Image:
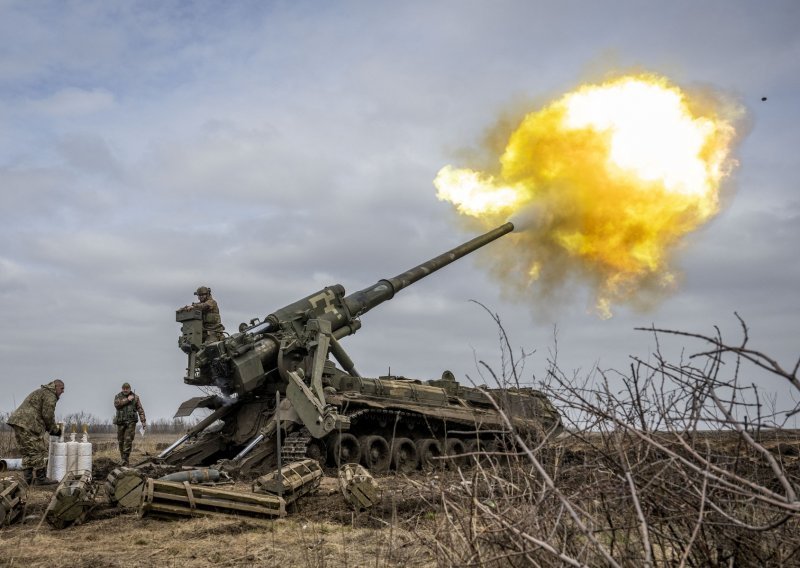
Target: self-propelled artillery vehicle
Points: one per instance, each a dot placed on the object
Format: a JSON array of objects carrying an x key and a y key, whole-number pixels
[{"x": 330, "y": 412}]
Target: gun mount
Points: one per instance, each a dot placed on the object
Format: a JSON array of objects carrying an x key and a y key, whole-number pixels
[{"x": 329, "y": 412}]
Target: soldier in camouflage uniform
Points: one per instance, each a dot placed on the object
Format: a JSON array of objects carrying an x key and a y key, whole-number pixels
[
  {"x": 129, "y": 411},
  {"x": 213, "y": 330},
  {"x": 35, "y": 417}
]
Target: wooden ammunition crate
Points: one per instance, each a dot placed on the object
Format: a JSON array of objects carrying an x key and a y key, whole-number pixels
[
  {"x": 72, "y": 501},
  {"x": 12, "y": 499},
  {"x": 172, "y": 498},
  {"x": 124, "y": 487},
  {"x": 292, "y": 482}
]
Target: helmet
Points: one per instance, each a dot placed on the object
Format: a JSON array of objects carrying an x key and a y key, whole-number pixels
[
  {"x": 126, "y": 385},
  {"x": 202, "y": 290}
]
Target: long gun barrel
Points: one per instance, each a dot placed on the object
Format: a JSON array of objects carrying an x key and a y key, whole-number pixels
[
  {"x": 364, "y": 300},
  {"x": 331, "y": 304}
]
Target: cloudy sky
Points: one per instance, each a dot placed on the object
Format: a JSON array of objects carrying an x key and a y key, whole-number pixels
[{"x": 267, "y": 149}]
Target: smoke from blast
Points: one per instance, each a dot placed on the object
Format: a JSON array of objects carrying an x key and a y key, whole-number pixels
[{"x": 602, "y": 184}]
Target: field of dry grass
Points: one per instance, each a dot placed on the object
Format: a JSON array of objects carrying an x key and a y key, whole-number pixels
[
  {"x": 120, "y": 538},
  {"x": 323, "y": 532}
]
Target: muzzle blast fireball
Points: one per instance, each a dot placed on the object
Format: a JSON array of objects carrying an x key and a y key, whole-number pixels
[{"x": 618, "y": 174}]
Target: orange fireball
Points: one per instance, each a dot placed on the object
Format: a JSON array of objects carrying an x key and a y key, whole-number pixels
[{"x": 618, "y": 173}]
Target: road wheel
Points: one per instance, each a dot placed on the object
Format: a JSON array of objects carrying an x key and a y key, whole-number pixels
[
  {"x": 375, "y": 453},
  {"x": 429, "y": 451},
  {"x": 455, "y": 452},
  {"x": 343, "y": 449},
  {"x": 404, "y": 455}
]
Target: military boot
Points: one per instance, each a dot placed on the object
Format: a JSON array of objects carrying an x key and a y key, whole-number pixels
[
  {"x": 42, "y": 479},
  {"x": 27, "y": 475}
]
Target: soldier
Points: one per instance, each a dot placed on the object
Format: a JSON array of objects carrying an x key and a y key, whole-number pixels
[
  {"x": 129, "y": 411},
  {"x": 34, "y": 417},
  {"x": 212, "y": 323}
]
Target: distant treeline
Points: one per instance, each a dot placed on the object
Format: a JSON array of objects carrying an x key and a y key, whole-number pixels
[{"x": 104, "y": 425}]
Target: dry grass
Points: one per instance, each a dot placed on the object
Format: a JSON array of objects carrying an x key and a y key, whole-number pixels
[{"x": 324, "y": 532}]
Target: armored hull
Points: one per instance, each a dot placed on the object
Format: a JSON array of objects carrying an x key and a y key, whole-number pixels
[
  {"x": 394, "y": 423},
  {"x": 444, "y": 421}
]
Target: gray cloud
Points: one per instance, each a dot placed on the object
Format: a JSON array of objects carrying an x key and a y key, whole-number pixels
[
  {"x": 268, "y": 150},
  {"x": 71, "y": 101}
]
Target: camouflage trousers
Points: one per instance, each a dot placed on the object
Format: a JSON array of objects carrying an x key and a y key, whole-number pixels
[
  {"x": 125, "y": 433},
  {"x": 32, "y": 447}
]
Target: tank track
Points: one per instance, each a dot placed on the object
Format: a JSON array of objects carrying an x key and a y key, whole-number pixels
[
  {"x": 382, "y": 422},
  {"x": 383, "y": 417},
  {"x": 387, "y": 418}
]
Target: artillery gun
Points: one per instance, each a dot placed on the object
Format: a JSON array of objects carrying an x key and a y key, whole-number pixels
[{"x": 331, "y": 413}]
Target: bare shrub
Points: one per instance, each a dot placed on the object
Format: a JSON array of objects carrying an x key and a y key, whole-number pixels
[{"x": 676, "y": 464}]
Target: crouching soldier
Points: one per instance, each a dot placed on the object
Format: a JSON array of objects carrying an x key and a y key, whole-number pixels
[
  {"x": 35, "y": 417},
  {"x": 129, "y": 411}
]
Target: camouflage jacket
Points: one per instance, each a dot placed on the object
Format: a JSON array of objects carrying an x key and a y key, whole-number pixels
[
  {"x": 211, "y": 317},
  {"x": 127, "y": 410},
  {"x": 37, "y": 412}
]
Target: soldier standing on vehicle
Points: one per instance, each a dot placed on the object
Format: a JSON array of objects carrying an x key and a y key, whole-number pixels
[
  {"x": 35, "y": 417},
  {"x": 213, "y": 330},
  {"x": 129, "y": 411}
]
